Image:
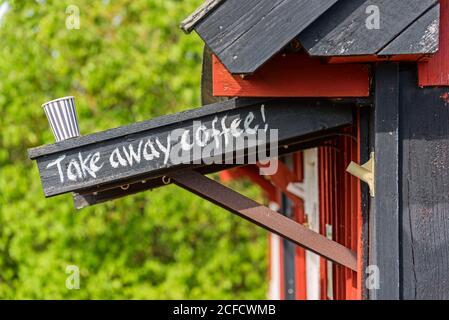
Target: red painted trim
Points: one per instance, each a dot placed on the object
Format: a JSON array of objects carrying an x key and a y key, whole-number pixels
[
  {"x": 251, "y": 172},
  {"x": 435, "y": 72},
  {"x": 282, "y": 178},
  {"x": 229, "y": 175},
  {"x": 298, "y": 162},
  {"x": 294, "y": 75}
]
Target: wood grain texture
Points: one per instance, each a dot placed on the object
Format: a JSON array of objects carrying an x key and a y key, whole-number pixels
[
  {"x": 295, "y": 120},
  {"x": 384, "y": 227},
  {"x": 342, "y": 30},
  {"x": 246, "y": 34},
  {"x": 435, "y": 71},
  {"x": 294, "y": 75},
  {"x": 421, "y": 37},
  {"x": 425, "y": 185},
  {"x": 206, "y": 8}
]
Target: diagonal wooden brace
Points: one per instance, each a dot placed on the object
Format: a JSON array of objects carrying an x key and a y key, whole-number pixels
[{"x": 264, "y": 217}]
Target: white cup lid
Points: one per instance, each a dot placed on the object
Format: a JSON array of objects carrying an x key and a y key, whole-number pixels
[{"x": 59, "y": 99}]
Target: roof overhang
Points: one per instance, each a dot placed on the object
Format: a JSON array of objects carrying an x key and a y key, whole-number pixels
[
  {"x": 244, "y": 35},
  {"x": 134, "y": 158}
]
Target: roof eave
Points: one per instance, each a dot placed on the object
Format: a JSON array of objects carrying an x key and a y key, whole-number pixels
[{"x": 189, "y": 23}]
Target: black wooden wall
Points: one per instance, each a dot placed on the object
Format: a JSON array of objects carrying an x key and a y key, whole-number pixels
[
  {"x": 424, "y": 223},
  {"x": 409, "y": 219}
]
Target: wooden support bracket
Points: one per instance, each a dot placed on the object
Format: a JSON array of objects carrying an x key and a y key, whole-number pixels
[{"x": 264, "y": 217}]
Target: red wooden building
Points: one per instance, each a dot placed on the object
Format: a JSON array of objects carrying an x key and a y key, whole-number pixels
[{"x": 358, "y": 91}]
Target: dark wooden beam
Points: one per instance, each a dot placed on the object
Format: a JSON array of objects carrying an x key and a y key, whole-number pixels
[
  {"x": 384, "y": 225},
  {"x": 342, "y": 31},
  {"x": 365, "y": 137},
  {"x": 264, "y": 217},
  {"x": 410, "y": 214},
  {"x": 425, "y": 189},
  {"x": 207, "y": 90}
]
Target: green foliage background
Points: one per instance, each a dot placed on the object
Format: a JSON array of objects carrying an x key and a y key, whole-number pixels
[{"x": 128, "y": 62}]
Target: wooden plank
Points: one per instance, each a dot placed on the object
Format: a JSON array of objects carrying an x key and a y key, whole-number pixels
[
  {"x": 294, "y": 75},
  {"x": 206, "y": 78},
  {"x": 384, "y": 229},
  {"x": 246, "y": 34},
  {"x": 425, "y": 184},
  {"x": 435, "y": 72},
  {"x": 421, "y": 37},
  {"x": 364, "y": 138},
  {"x": 264, "y": 217},
  {"x": 342, "y": 31},
  {"x": 226, "y": 25},
  {"x": 206, "y": 8},
  {"x": 148, "y": 150}
]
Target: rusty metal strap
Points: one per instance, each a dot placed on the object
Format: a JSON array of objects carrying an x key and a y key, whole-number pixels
[{"x": 264, "y": 217}]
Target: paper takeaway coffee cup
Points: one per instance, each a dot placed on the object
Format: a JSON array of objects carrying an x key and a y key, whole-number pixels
[{"x": 61, "y": 114}]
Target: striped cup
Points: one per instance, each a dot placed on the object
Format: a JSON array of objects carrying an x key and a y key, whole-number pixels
[{"x": 61, "y": 114}]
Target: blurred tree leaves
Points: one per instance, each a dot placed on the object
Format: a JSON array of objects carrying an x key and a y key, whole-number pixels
[{"x": 128, "y": 62}]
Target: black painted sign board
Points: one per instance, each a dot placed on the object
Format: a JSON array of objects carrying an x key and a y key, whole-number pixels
[{"x": 193, "y": 139}]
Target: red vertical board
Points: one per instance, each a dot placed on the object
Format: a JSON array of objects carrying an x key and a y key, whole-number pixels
[
  {"x": 340, "y": 207},
  {"x": 322, "y": 210}
]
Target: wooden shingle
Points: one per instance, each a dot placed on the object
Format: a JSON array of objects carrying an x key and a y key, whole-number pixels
[
  {"x": 343, "y": 30},
  {"x": 244, "y": 35}
]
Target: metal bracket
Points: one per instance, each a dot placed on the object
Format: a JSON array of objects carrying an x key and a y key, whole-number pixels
[
  {"x": 265, "y": 217},
  {"x": 364, "y": 172}
]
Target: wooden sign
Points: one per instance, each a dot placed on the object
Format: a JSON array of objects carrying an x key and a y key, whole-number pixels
[{"x": 154, "y": 148}]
